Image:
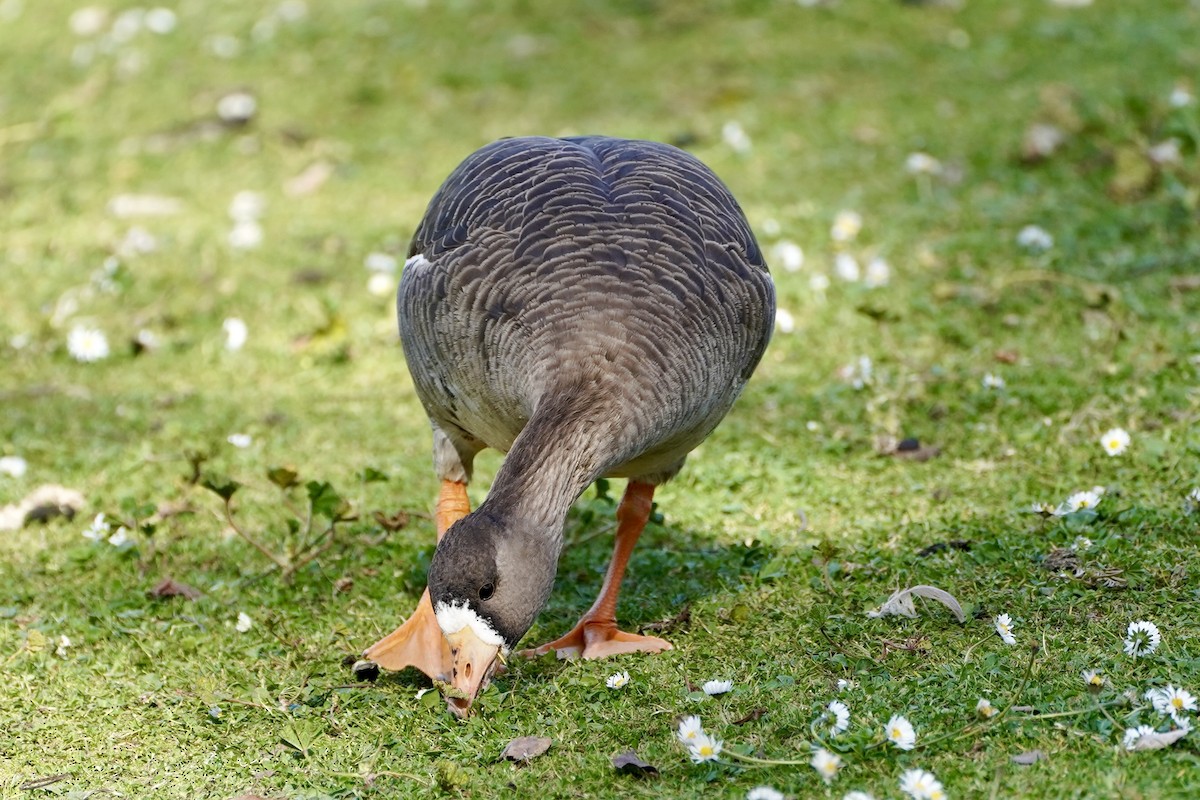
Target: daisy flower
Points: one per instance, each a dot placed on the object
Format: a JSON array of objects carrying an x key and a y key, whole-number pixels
[
  {"x": 13, "y": 466},
  {"x": 247, "y": 234},
  {"x": 241, "y": 440},
  {"x": 1094, "y": 680},
  {"x": 879, "y": 272},
  {"x": 1115, "y": 441},
  {"x": 899, "y": 731},
  {"x": 1079, "y": 501},
  {"x": 1082, "y": 543},
  {"x": 689, "y": 730},
  {"x": 818, "y": 283},
  {"x": 717, "y": 687},
  {"x": 846, "y": 226},
  {"x": 705, "y": 748},
  {"x": 1172, "y": 701},
  {"x": 1141, "y": 638},
  {"x": 921, "y": 784},
  {"x": 235, "y": 108},
  {"x": 844, "y": 684},
  {"x": 98, "y": 529},
  {"x": 1004, "y": 627},
  {"x": 991, "y": 381},
  {"x": 87, "y": 344},
  {"x": 1132, "y": 735},
  {"x": 160, "y": 20},
  {"x": 922, "y": 164},
  {"x": 235, "y": 333},
  {"x": 764, "y": 793},
  {"x": 826, "y": 764},
  {"x": 985, "y": 709},
  {"x": 784, "y": 320},
  {"x": 840, "y": 716},
  {"x": 1033, "y": 237},
  {"x": 244, "y": 623},
  {"x": 120, "y": 537},
  {"x": 736, "y": 137},
  {"x": 617, "y": 680},
  {"x": 845, "y": 266},
  {"x": 63, "y": 644},
  {"x": 1191, "y": 502},
  {"x": 380, "y": 262},
  {"x": 247, "y": 206},
  {"x": 857, "y": 795},
  {"x": 788, "y": 255}
]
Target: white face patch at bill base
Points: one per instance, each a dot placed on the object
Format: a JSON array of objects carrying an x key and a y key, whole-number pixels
[
  {"x": 453, "y": 618},
  {"x": 417, "y": 262}
]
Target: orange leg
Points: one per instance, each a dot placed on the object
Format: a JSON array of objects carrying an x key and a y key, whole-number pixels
[
  {"x": 596, "y": 635},
  {"x": 419, "y": 642}
]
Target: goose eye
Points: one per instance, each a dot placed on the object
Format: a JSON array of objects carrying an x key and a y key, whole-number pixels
[{"x": 486, "y": 591}]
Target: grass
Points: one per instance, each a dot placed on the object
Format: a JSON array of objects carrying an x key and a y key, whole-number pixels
[{"x": 786, "y": 526}]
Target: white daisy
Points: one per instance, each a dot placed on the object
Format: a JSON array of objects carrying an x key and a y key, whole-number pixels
[
  {"x": 617, "y": 680},
  {"x": 879, "y": 273},
  {"x": 382, "y": 284},
  {"x": 247, "y": 234},
  {"x": 1004, "y": 627},
  {"x": 819, "y": 282},
  {"x": 846, "y": 226},
  {"x": 826, "y": 764},
  {"x": 921, "y": 784},
  {"x": 1082, "y": 543},
  {"x": 1180, "y": 96},
  {"x": 1033, "y": 237},
  {"x": 247, "y": 206},
  {"x": 87, "y": 344},
  {"x": 240, "y": 440},
  {"x": 991, "y": 381},
  {"x": 899, "y": 731},
  {"x": 922, "y": 164},
  {"x": 1141, "y": 638},
  {"x": 120, "y": 537},
  {"x": 236, "y": 108},
  {"x": 63, "y": 644},
  {"x": 1080, "y": 501},
  {"x": 717, "y": 687},
  {"x": 98, "y": 530},
  {"x": 380, "y": 262},
  {"x": 244, "y": 623},
  {"x": 235, "y": 333},
  {"x": 1192, "y": 501},
  {"x": 1172, "y": 700},
  {"x": 704, "y": 748},
  {"x": 1115, "y": 441},
  {"x": 842, "y": 683},
  {"x": 1094, "y": 680},
  {"x": 13, "y": 466},
  {"x": 88, "y": 21},
  {"x": 784, "y": 320},
  {"x": 845, "y": 266},
  {"x": 859, "y": 373},
  {"x": 788, "y": 255},
  {"x": 857, "y": 794},
  {"x": 689, "y": 729},
  {"x": 736, "y": 137},
  {"x": 1133, "y": 734},
  {"x": 160, "y": 20},
  {"x": 840, "y": 716},
  {"x": 764, "y": 793},
  {"x": 985, "y": 709}
]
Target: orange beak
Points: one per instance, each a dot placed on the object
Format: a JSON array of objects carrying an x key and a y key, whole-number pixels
[{"x": 474, "y": 661}]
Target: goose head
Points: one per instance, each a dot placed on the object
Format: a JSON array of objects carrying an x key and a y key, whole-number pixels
[{"x": 488, "y": 581}]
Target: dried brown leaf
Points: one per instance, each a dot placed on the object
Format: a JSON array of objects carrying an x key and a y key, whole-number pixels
[
  {"x": 526, "y": 748},
  {"x": 169, "y": 587},
  {"x": 629, "y": 763},
  {"x": 1157, "y": 741}
]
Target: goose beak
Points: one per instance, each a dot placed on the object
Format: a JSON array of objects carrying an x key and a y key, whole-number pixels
[{"x": 474, "y": 661}]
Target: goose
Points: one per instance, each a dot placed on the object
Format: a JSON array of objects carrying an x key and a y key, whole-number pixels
[{"x": 592, "y": 307}]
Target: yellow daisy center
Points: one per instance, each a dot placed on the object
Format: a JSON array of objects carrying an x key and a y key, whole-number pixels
[
  {"x": 706, "y": 750},
  {"x": 1177, "y": 702}
]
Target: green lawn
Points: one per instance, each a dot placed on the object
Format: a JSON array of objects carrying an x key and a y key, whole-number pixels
[{"x": 786, "y": 526}]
